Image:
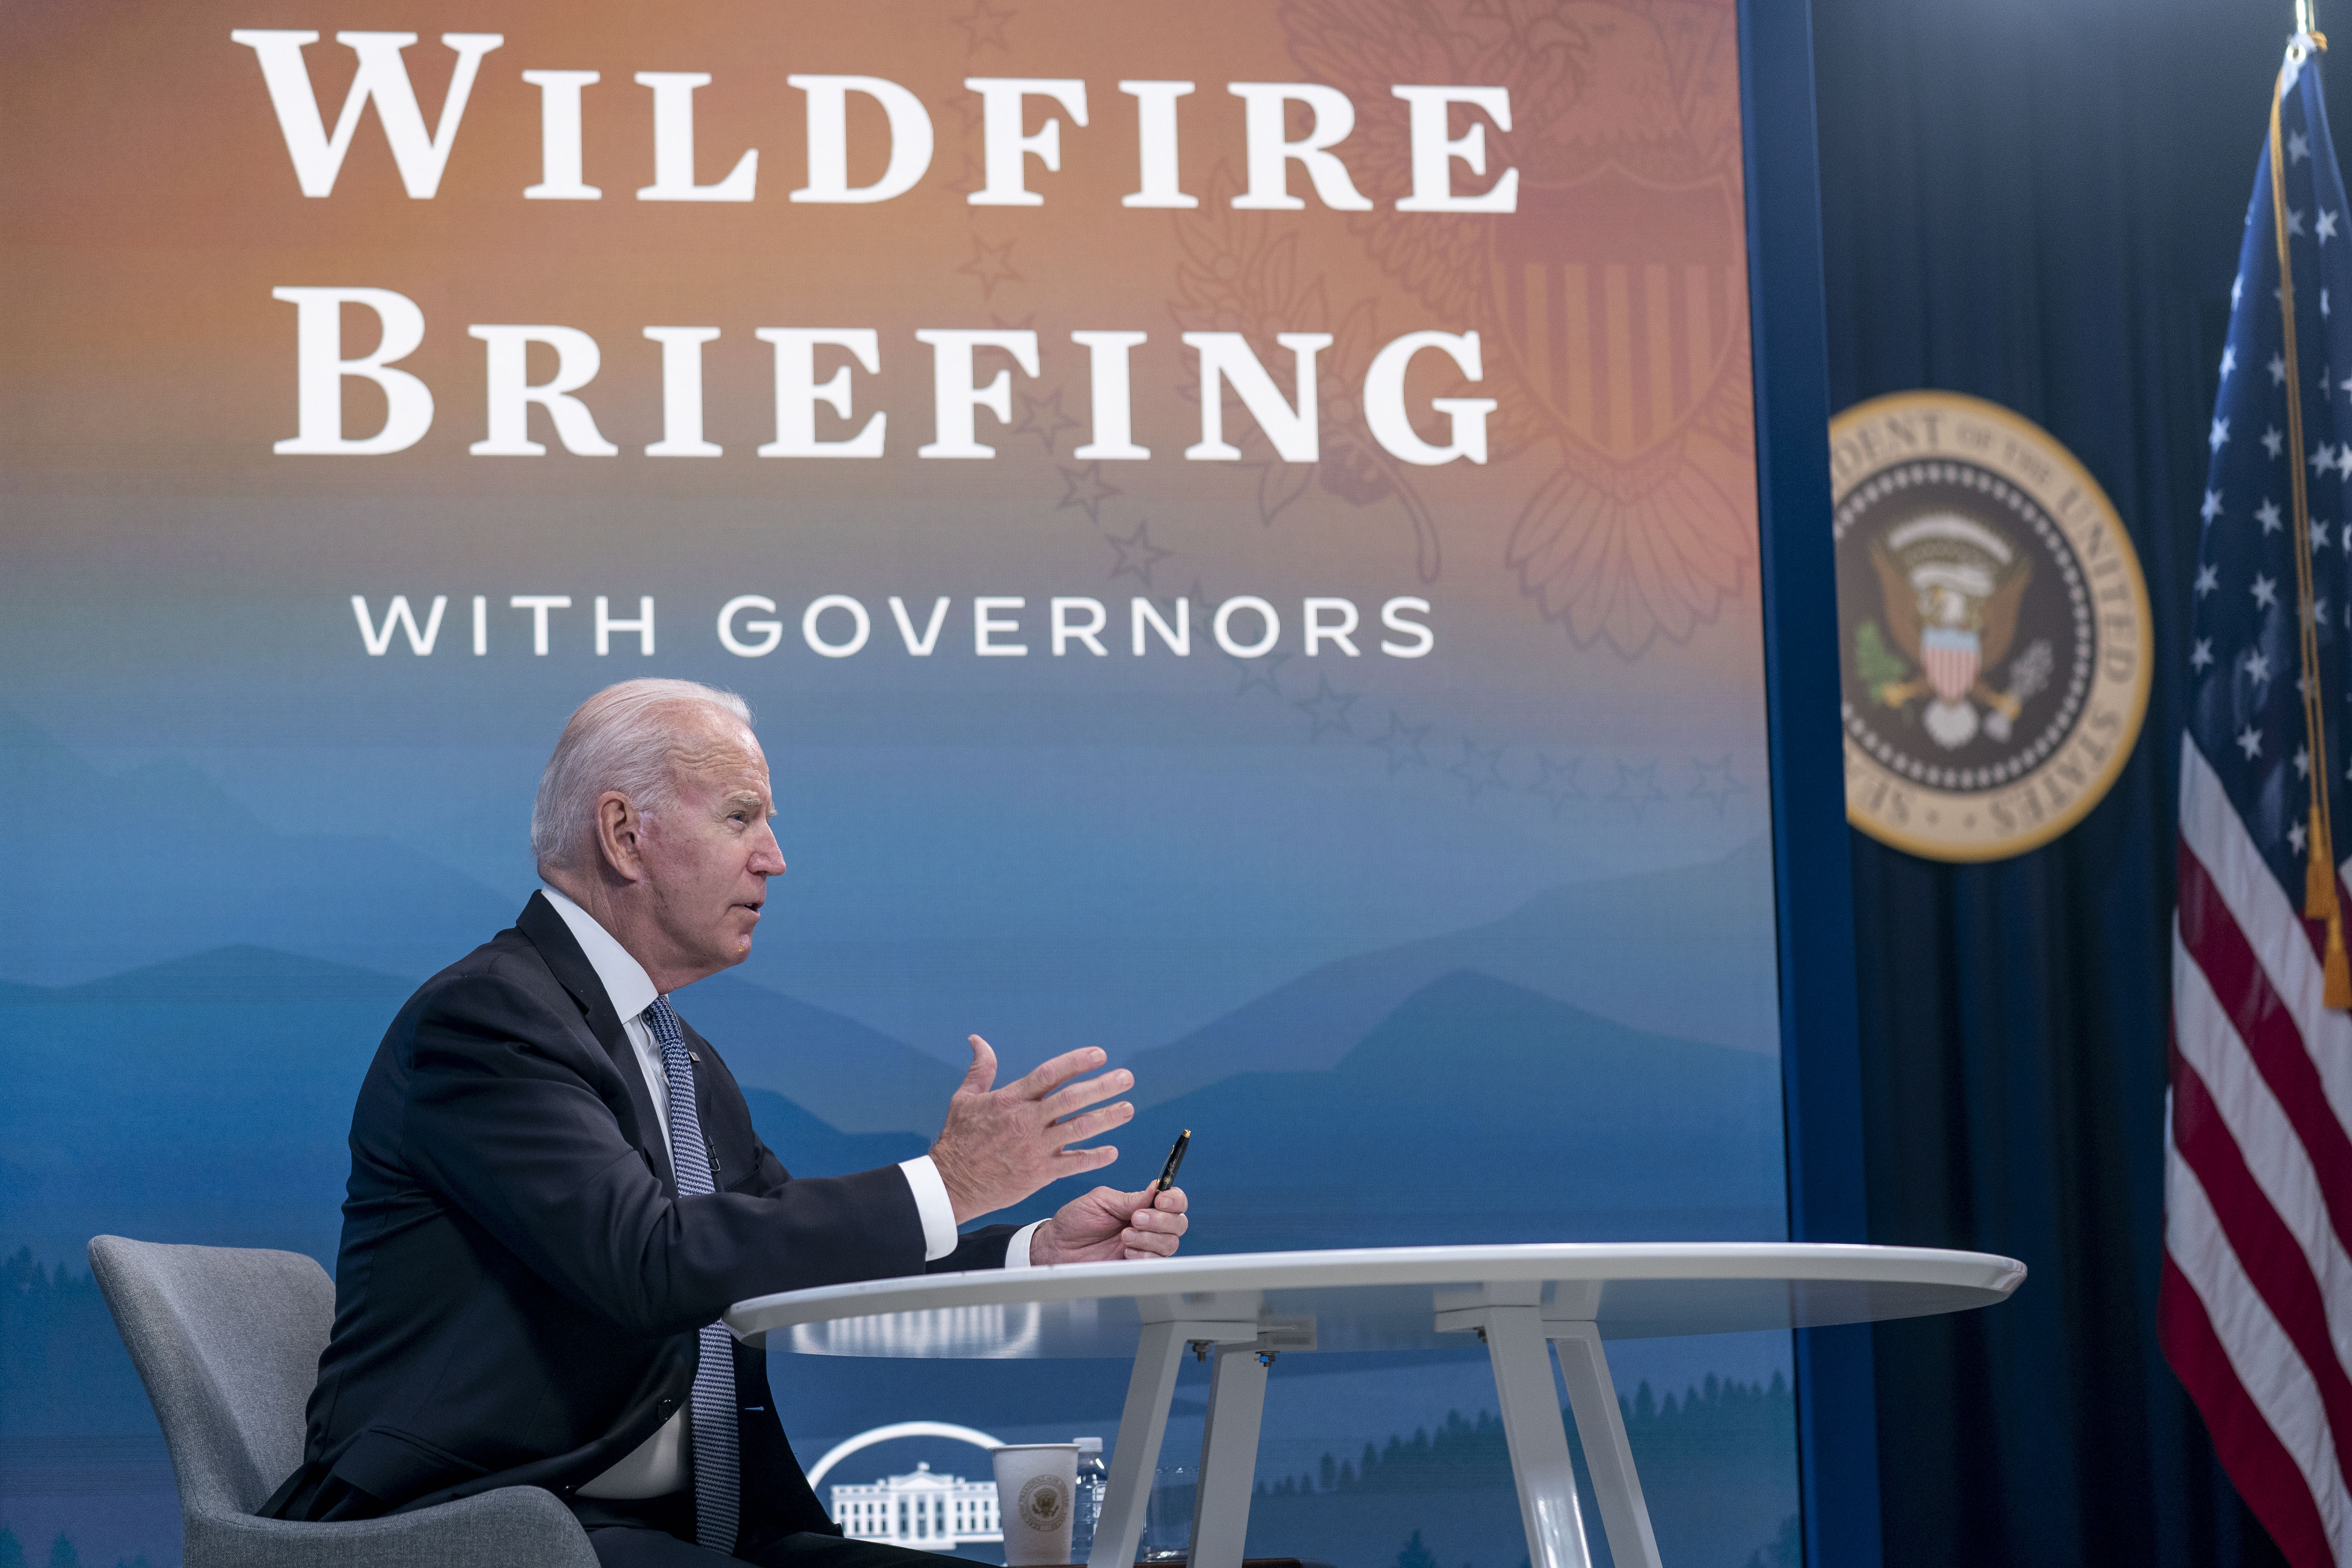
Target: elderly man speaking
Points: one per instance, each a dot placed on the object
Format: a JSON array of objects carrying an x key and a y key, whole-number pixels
[{"x": 556, "y": 1189}]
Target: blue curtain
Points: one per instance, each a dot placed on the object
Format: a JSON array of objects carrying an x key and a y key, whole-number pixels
[{"x": 2039, "y": 202}]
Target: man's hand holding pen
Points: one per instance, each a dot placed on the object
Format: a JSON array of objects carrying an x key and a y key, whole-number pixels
[{"x": 1000, "y": 1145}]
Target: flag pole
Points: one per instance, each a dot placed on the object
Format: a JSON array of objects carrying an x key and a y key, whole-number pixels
[{"x": 2320, "y": 898}]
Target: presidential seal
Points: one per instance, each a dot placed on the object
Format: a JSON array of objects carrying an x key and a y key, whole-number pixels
[
  {"x": 1992, "y": 626},
  {"x": 1044, "y": 1503}
]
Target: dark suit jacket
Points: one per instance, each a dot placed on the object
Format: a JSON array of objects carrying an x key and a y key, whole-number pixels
[{"x": 519, "y": 1285}]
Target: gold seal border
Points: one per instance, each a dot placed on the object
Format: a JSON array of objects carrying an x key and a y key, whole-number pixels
[{"x": 1844, "y": 425}]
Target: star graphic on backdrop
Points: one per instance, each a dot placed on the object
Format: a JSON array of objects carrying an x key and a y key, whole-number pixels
[
  {"x": 2296, "y": 836},
  {"x": 1481, "y": 767},
  {"x": 1716, "y": 783},
  {"x": 2250, "y": 741},
  {"x": 966, "y": 106},
  {"x": 1137, "y": 554},
  {"x": 2343, "y": 385},
  {"x": 2269, "y": 516},
  {"x": 2323, "y": 304},
  {"x": 984, "y": 26},
  {"x": 992, "y": 264},
  {"x": 2274, "y": 443},
  {"x": 1265, "y": 672},
  {"x": 1085, "y": 488},
  {"x": 2257, "y": 666},
  {"x": 2326, "y": 225},
  {"x": 2297, "y": 149},
  {"x": 2319, "y": 610},
  {"x": 1402, "y": 745},
  {"x": 2265, "y": 590},
  {"x": 2277, "y": 367},
  {"x": 1555, "y": 782},
  {"x": 1044, "y": 418},
  {"x": 2324, "y": 372},
  {"x": 2318, "y": 534},
  {"x": 2237, "y": 287},
  {"x": 2209, "y": 578},
  {"x": 2295, "y": 220},
  {"x": 2201, "y": 654},
  {"x": 971, "y": 177},
  {"x": 2322, "y": 458},
  {"x": 2344, "y": 461},
  {"x": 1328, "y": 709},
  {"x": 2219, "y": 435},
  {"x": 1638, "y": 788},
  {"x": 2301, "y": 686},
  {"x": 2229, "y": 361},
  {"x": 2302, "y": 762},
  {"x": 2212, "y": 507}
]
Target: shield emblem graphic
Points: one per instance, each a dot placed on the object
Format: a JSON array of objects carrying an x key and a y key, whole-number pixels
[
  {"x": 1951, "y": 657},
  {"x": 1621, "y": 302}
]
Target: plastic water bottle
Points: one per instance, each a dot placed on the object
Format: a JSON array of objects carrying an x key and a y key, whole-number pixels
[{"x": 1092, "y": 1480}]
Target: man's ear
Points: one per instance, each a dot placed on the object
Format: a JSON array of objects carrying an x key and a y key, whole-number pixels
[{"x": 620, "y": 835}]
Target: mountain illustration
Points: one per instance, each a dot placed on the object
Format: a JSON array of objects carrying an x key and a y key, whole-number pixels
[
  {"x": 88, "y": 899},
  {"x": 1479, "y": 1110},
  {"x": 1595, "y": 946},
  {"x": 207, "y": 1097}
]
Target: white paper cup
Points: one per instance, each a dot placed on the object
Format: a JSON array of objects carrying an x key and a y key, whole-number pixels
[{"x": 1036, "y": 1487}]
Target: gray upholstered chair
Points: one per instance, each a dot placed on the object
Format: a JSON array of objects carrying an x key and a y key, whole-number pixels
[{"x": 227, "y": 1342}]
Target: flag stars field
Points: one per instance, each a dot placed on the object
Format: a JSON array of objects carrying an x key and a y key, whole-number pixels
[
  {"x": 2209, "y": 577},
  {"x": 2221, "y": 435},
  {"x": 2273, "y": 442},
  {"x": 2265, "y": 589},
  {"x": 2250, "y": 741},
  {"x": 2201, "y": 654},
  {"x": 2269, "y": 515}
]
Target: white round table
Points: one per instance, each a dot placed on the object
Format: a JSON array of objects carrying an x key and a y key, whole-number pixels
[{"x": 1247, "y": 1307}]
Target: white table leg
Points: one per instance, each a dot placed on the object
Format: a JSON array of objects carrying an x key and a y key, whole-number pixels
[
  {"x": 1142, "y": 1426},
  {"x": 1600, "y": 1425},
  {"x": 1532, "y": 1428},
  {"x": 1228, "y": 1457}
]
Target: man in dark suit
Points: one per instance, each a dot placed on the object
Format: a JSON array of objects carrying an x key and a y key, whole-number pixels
[{"x": 556, "y": 1188}]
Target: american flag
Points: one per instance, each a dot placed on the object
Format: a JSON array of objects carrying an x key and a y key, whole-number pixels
[{"x": 2255, "y": 1311}]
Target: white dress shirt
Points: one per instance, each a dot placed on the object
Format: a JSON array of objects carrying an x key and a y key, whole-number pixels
[{"x": 658, "y": 1465}]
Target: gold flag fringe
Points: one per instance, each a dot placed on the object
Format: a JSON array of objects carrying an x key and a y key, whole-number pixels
[{"x": 2320, "y": 900}]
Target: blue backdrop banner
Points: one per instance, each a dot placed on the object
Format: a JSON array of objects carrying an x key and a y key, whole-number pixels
[{"x": 1238, "y": 526}]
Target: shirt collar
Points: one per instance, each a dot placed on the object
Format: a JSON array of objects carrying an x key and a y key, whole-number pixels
[{"x": 626, "y": 985}]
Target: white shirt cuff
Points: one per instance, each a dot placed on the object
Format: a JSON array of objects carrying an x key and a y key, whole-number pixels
[
  {"x": 931, "y": 1203},
  {"x": 1017, "y": 1250}
]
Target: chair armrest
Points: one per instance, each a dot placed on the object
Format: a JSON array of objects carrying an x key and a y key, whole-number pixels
[{"x": 514, "y": 1527}]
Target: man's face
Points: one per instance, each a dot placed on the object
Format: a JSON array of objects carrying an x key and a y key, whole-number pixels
[{"x": 709, "y": 852}]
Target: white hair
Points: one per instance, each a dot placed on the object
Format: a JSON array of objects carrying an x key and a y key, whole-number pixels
[{"x": 625, "y": 739}]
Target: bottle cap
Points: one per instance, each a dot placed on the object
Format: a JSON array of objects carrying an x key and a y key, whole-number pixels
[{"x": 1089, "y": 1444}]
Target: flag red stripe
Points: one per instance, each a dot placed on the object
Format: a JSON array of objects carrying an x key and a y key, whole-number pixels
[
  {"x": 2265, "y": 1248},
  {"x": 2265, "y": 1473},
  {"x": 2268, "y": 1028}
]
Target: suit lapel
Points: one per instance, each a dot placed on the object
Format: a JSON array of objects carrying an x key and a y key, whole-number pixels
[{"x": 556, "y": 944}]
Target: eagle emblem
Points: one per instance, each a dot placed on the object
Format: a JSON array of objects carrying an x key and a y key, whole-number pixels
[
  {"x": 1617, "y": 290},
  {"x": 1951, "y": 587}
]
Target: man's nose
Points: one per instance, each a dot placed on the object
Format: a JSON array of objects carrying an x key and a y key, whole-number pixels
[{"x": 768, "y": 856}]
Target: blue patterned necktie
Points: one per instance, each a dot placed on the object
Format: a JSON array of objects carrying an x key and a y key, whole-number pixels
[{"x": 717, "y": 1486}]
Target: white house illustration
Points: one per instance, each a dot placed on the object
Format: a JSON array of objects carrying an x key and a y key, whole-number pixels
[
  {"x": 922, "y": 1509},
  {"x": 929, "y": 1512}
]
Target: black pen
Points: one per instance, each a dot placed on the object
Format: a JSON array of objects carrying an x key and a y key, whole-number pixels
[{"x": 1175, "y": 1158}]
